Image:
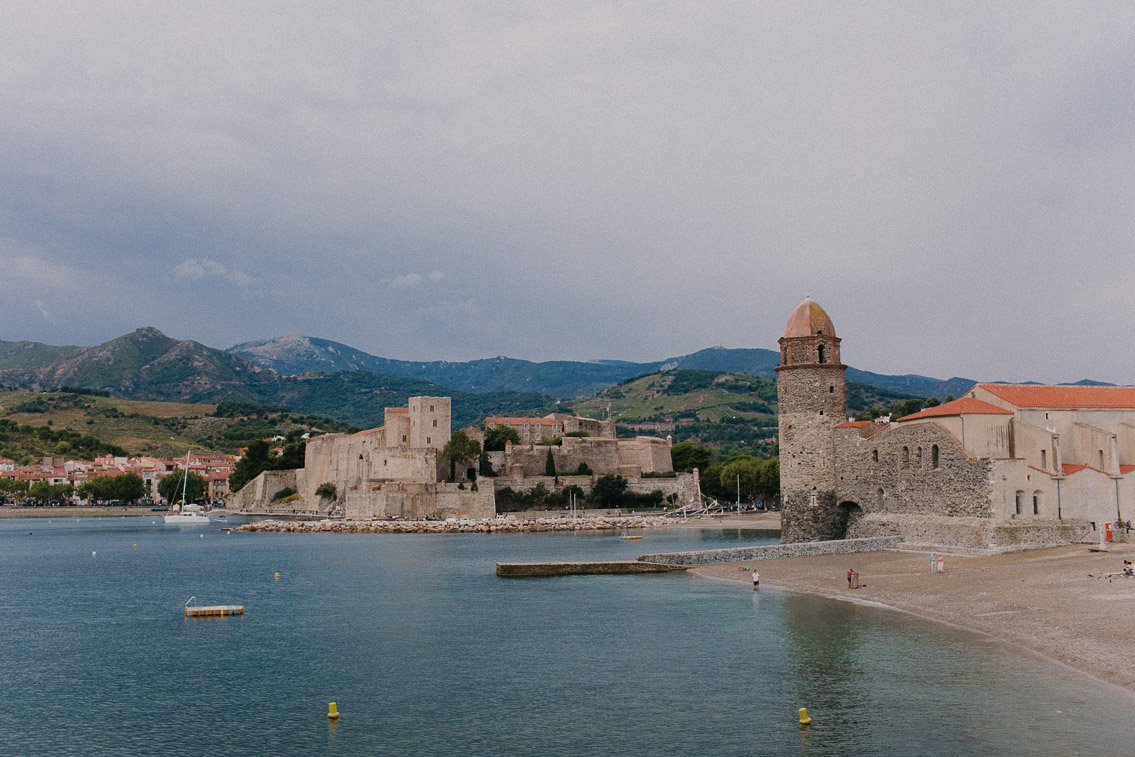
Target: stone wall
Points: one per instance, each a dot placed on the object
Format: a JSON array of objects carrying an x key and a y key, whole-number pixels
[
  {"x": 257, "y": 493},
  {"x": 894, "y": 472},
  {"x": 601, "y": 455},
  {"x": 419, "y": 501},
  {"x": 799, "y": 549}
]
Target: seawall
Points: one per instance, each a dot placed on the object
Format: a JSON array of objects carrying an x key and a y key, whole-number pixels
[{"x": 772, "y": 551}]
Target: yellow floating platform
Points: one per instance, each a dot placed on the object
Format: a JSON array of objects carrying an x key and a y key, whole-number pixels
[
  {"x": 624, "y": 537},
  {"x": 202, "y": 611}
]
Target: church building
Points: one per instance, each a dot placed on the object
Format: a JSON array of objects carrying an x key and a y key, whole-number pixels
[{"x": 1005, "y": 466}]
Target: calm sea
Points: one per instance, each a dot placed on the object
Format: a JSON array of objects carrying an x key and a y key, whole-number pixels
[{"x": 426, "y": 652}]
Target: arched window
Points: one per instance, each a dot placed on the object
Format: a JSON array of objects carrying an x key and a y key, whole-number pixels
[
  {"x": 1020, "y": 496},
  {"x": 1036, "y": 502},
  {"x": 875, "y": 455},
  {"x": 918, "y": 458},
  {"x": 820, "y": 352},
  {"x": 934, "y": 456},
  {"x": 906, "y": 457}
]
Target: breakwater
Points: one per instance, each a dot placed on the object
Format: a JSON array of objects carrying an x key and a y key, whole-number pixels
[
  {"x": 604, "y": 568},
  {"x": 459, "y": 526},
  {"x": 798, "y": 549}
]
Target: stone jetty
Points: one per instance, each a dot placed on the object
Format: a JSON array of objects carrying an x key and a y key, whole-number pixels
[{"x": 509, "y": 525}]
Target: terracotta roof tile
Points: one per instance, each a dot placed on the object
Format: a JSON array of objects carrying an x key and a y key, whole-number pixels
[
  {"x": 397, "y": 409},
  {"x": 1031, "y": 395},
  {"x": 964, "y": 406},
  {"x": 1125, "y": 469},
  {"x": 855, "y": 424},
  {"x": 1070, "y": 468}
]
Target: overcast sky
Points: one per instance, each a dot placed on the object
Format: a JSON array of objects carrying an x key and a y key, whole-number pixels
[{"x": 953, "y": 182}]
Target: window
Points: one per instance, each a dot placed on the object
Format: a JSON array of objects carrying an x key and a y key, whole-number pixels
[
  {"x": 906, "y": 457},
  {"x": 820, "y": 352},
  {"x": 1044, "y": 458},
  {"x": 431, "y": 408},
  {"x": 919, "y": 458},
  {"x": 934, "y": 456},
  {"x": 1020, "y": 496},
  {"x": 435, "y": 422},
  {"x": 403, "y": 437},
  {"x": 1036, "y": 503},
  {"x": 1101, "y": 459},
  {"x": 428, "y": 440},
  {"x": 875, "y": 455},
  {"x": 821, "y": 412},
  {"x": 831, "y": 390}
]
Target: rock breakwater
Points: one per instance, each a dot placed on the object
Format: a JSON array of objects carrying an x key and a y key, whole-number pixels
[{"x": 457, "y": 526}]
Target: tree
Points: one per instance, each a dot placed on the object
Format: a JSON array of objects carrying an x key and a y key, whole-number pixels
[
  {"x": 127, "y": 487},
  {"x": 170, "y": 487},
  {"x": 460, "y": 449},
  {"x": 686, "y": 456},
  {"x": 496, "y": 437},
  {"x": 326, "y": 490},
  {"x": 485, "y": 468},
  {"x": 251, "y": 464},
  {"x": 608, "y": 490},
  {"x": 550, "y": 464}
]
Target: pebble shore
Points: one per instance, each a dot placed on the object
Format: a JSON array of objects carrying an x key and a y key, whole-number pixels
[{"x": 458, "y": 526}]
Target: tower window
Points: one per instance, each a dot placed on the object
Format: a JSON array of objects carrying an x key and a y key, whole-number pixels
[
  {"x": 820, "y": 352},
  {"x": 428, "y": 440},
  {"x": 875, "y": 455},
  {"x": 1036, "y": 503},
  {"x": 435, "y": 422},
  {"x": 831, "y": 390},
  {"x": 1020, "y": 496},
  {"x": 919, "y": 458},
  {"x": 821, "y": 412},
  {"x": 906, "y": 457},
  {"x": 934, "y": 456}
]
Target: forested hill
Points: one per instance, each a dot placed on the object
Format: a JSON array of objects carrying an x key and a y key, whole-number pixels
[
  {"x": 148, "y": 365},
  {"x": 295, "y": 354}
]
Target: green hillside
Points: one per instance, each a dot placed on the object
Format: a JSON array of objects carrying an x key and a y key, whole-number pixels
[
  {"x": 735, "y": 412},
  {"x": 84, "y": 426}
]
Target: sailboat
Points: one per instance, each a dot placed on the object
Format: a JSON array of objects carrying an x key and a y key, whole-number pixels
[{"x": 187, "y": 514}]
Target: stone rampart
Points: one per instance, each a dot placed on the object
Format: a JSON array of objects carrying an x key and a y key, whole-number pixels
[
  {"x": 257, "y": 493},
  {"x": 773, "y": 551}
]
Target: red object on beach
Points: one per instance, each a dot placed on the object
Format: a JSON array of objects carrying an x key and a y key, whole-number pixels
[{"x": 1107, "y": 531}]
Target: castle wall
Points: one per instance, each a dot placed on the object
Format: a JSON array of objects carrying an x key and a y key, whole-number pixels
[
  {"x": 601, "y": 455},
  {"x": 419, "y": 501},
  {"x": 649, "y": 454},
  {"x": 257, "y": 493}
]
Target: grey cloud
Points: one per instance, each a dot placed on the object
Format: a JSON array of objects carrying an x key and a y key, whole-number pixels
[{"x": 631, "y": 179}]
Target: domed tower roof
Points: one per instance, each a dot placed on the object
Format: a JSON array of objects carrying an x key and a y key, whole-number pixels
[{"x": 808, "y": 319}]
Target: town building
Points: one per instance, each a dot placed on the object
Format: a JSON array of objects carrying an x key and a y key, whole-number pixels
[{"x": 1006, "y": 466}]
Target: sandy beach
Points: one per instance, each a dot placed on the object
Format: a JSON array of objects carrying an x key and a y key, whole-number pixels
[{"x": 1053, "y": 602}]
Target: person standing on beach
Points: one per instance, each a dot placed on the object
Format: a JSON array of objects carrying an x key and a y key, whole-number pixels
[
  {"x": 850, "y": 573},
  {"x": 756, "y": 581}
]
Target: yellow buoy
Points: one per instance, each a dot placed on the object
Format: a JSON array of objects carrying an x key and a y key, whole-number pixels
[
  {"x": 135, "y": 546},
  {"x": 332, "y": 711},
  {"x": 804, "y": 719},
  {"x": 277, "y": 575}
]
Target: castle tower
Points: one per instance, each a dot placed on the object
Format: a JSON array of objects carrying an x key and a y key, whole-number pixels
[
  {"x": 812, "y": 396},
  {"x": 429, "y": 421}
]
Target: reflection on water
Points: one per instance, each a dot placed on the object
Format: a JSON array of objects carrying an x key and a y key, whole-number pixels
[{"x": 426, "y": 652}]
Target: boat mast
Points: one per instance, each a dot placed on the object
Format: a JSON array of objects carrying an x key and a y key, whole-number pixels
[{"x": 185, "y": 479}]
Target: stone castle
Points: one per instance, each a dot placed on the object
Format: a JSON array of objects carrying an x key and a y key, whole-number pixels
[
  {"x": 395, "y": 471},
  {"x": 1004, "y": 467}
]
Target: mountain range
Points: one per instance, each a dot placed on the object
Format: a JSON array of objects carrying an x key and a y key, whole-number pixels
[
  {"x": 293, "y": 354},
  {"x": 319, "y": 376}
]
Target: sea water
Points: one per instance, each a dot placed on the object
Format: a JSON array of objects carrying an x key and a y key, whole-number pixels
[{"x": 426, "y": 652}]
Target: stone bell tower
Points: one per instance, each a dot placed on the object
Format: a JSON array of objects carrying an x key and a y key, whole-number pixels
[{"x": 812, "y": 400}]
